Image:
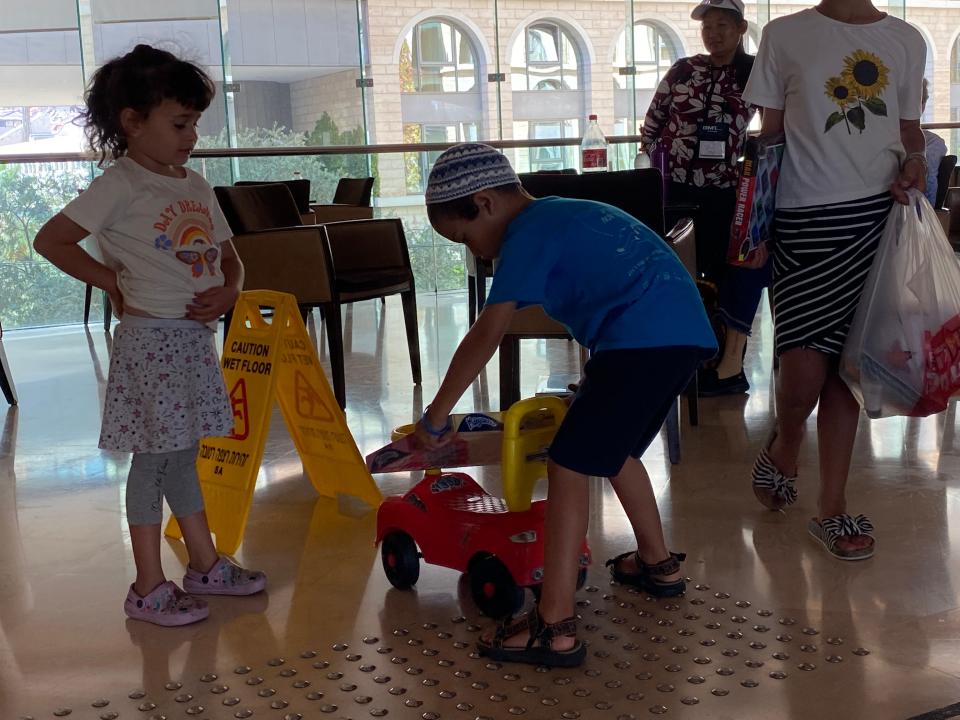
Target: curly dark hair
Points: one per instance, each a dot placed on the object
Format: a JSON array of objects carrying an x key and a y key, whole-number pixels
[{"x": 140, "y": 80}]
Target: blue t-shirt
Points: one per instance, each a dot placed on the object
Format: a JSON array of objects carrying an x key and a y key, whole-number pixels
[{"x": 611, "y": 280}]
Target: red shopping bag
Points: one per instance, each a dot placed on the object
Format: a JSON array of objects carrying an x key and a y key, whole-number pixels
[
  {"x": 902, "y": 355},
  {"x": 942, "y": 377}
]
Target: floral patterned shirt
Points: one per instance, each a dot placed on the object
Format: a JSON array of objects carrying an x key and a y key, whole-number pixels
[{"x": 678, "y": 107}]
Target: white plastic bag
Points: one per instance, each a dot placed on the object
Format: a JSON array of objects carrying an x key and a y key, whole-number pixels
[{"x": 902, "y": 355}]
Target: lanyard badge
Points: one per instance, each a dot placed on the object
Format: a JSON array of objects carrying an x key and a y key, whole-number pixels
[
  {"x": 712, "y": 140},
  {"x": 711, "y": 136}
]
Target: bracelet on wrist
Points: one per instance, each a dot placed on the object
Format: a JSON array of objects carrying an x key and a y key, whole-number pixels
[
  {"x": 922, "y": 157},
  {"x": 431, "y": 430}
]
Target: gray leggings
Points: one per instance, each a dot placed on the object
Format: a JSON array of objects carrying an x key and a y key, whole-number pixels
[{"x": 154, "y": 476}]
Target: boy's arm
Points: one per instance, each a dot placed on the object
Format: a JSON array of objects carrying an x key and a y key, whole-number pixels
[
  {"x": 59, "y": 242},
  {"x": 472, "y": 355}
]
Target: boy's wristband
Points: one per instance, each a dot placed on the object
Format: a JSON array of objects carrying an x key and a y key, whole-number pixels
[{"x": 435, "y": 432}]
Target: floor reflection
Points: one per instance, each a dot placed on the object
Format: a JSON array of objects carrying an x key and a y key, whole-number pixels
[{"x": 330, "y": 620}]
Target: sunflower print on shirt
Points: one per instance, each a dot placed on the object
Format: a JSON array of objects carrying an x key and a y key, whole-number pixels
[{"x": 858, "y": 89}]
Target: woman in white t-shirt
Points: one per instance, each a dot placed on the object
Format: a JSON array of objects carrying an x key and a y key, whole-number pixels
[{"x": 843, "y": 82}]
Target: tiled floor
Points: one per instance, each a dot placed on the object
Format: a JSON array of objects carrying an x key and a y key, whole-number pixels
[{"x": 760, "y": 588}]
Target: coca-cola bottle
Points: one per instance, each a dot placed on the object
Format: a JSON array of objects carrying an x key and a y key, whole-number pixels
[{"x": 593, "y": 149}]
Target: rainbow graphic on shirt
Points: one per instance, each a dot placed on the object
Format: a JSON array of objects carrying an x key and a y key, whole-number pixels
[{"x": 188, "y": 236}]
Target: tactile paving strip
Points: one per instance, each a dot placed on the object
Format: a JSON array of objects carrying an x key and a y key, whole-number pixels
[{"x": 645, "y": 657}]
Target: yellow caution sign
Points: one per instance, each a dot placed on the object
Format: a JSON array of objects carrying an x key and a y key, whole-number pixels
[{"x": 263, "y": 361}]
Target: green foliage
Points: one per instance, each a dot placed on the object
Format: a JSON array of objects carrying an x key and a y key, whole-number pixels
[
  {"x": 325, "y": 133},
  {"x": 323, "y": 171},
  {"x": 35, "y": 293},
  {"x": 29, "y": 196},
  {"x": 411, "y": 161},
  {"x": 32, "y": 291},
  {"x": 437, "y": 263}
]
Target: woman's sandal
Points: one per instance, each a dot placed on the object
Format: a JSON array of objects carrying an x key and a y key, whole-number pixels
[
  {"x": 829, "y": 531},
  {"x": 772, "y": 488},
  {"x": 645, "y": 576},
  {"x": 538, "y": 650}
]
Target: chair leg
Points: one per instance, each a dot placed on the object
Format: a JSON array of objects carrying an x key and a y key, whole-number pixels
[
  {"x": 673, "y": 432},
  {"x": 509, "y": 371},
  {"x": 693, "y": 400},
  {"x": 6, "y": 380},
  {"x": 471, "y": 299},
  {"x": 335, "y": 343},
  {"x": 87, "y": 296},
  {"x": 107, "y": 312},
  {"x": 409, "y": 299}
]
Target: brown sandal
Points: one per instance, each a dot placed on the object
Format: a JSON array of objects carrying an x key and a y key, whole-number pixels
[
  {"x": 538, "y": 650},
  {"x": 646, "y": 574}
]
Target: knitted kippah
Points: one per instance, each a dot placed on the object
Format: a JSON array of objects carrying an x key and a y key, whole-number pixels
[{"x": 465, "y": 169}]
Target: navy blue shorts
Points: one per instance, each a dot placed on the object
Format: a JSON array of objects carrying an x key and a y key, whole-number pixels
[{"x": 623, "y": 400}]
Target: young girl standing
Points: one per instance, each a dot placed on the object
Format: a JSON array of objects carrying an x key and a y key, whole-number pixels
[{"x": 170, "y": 271}]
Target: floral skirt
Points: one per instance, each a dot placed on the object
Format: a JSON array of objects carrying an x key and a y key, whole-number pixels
[{"x": 166, "y": 390}]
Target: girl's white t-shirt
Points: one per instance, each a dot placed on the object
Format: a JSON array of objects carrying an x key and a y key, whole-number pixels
[
  {"x": 161, "y": 234},
  {"x": 844, "y": 89}
]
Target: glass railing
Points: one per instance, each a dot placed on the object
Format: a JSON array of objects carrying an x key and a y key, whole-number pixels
[{"x": 33, "y": 188}]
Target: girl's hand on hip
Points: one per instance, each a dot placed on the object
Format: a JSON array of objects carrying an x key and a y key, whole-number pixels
[{"x": 210, "y": 304}]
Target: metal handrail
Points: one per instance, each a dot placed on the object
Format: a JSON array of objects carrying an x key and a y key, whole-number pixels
[
  {"x": 317, "y": 150},
  {"x": 311, "y": 150}
]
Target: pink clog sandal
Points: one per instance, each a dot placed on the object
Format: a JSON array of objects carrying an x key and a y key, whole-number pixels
[
  {"x": 224, "y": 578},
  {"x": 165, "y": 605}
]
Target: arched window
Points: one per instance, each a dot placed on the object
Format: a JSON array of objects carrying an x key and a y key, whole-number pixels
[
  {"x": 655, "y": 49},
  {"x": 547, "y": 71},
  {"x": 545, "y": 57},
  {"x": 438, "y": 57}
]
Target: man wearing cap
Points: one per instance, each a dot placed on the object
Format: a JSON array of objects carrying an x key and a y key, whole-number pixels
[{"x": 622, "y": 293}]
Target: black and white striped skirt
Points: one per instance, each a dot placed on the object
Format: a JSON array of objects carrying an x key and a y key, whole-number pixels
[{"x": 822, "y": 256}]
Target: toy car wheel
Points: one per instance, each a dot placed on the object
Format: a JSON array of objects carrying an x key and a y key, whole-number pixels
[
  {"x": 401, "y": 561},
  {"x": 493, "y": 588}
]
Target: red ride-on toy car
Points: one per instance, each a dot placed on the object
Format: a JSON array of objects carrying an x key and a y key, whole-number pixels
[{"x": 449, "y": 520}]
